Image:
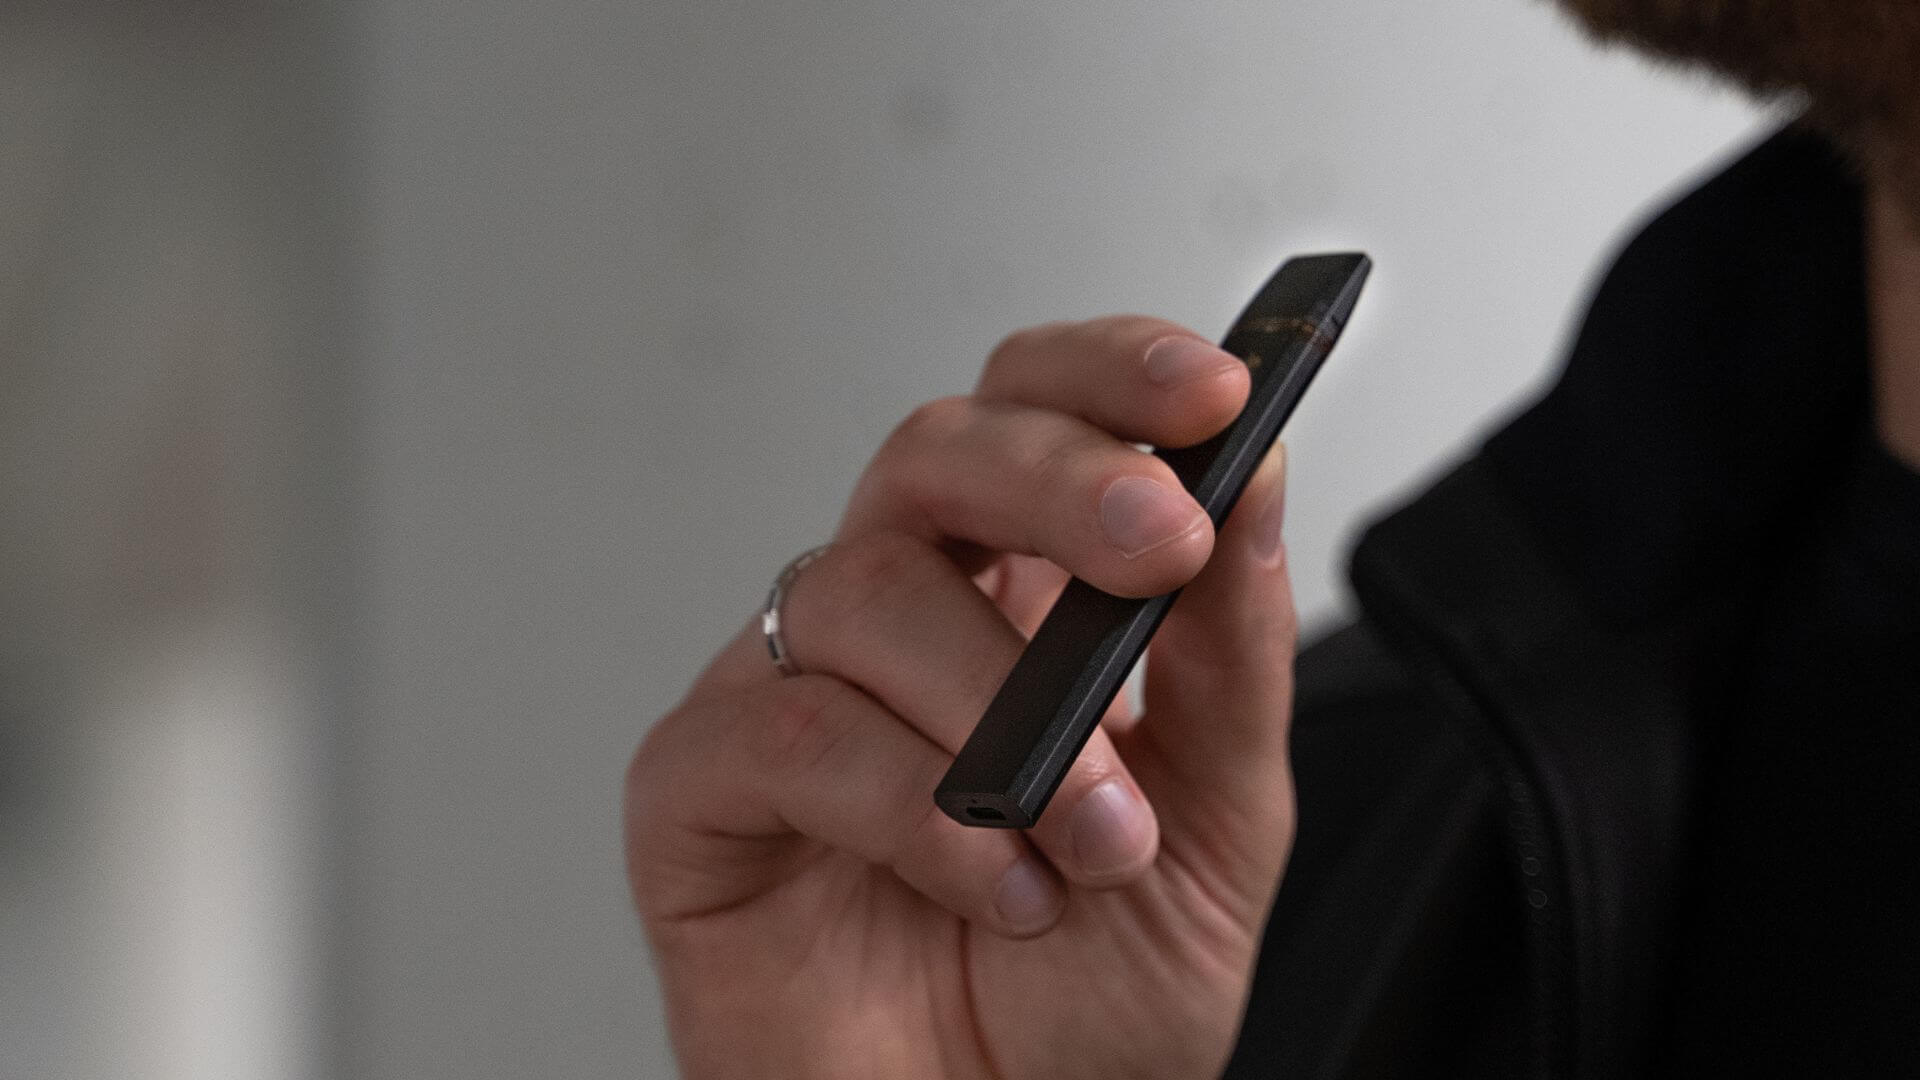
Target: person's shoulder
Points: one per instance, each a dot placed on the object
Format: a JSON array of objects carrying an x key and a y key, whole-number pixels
[
  {"x": 1366, "y": 735},
  {"x": 1393, "y": 947},
  {"x": 1349, "y": 671}
]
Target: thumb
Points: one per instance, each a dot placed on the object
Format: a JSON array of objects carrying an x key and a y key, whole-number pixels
[{"x": 1211, "y": 750}]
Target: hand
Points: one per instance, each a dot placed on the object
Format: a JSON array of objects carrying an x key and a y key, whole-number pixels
[{"x": 812, "y": 913}]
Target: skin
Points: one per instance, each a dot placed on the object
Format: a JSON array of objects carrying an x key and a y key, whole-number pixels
[{"x": 812, "y": 914}]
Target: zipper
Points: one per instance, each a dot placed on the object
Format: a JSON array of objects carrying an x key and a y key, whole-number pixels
[{"x": 1542, "y": 897}]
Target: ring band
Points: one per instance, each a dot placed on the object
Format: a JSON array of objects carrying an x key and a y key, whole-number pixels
[{"x": 770, "y": 617}]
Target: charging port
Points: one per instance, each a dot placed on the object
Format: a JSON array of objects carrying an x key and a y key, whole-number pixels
[{"x": 985, "y": 813}]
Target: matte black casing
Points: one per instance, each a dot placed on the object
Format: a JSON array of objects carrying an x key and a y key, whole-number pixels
[{"x": 1078, "y": 659}]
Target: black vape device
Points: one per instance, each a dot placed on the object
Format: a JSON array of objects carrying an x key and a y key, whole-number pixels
[{"x": 1080, "y": 656}]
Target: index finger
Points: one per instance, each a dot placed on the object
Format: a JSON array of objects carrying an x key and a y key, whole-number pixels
[{"x": 1143, "y": 379}]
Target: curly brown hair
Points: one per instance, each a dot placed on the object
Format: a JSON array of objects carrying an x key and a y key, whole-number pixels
[{"x": 1857, "y": 62}]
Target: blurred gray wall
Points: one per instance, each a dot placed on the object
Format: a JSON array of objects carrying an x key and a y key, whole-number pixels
[
  {"x": 174, "y": 406},
  {"x": 638, "y": 287}
]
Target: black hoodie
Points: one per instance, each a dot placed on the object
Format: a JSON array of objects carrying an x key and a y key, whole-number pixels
[{"x": 1618, "y": 774}]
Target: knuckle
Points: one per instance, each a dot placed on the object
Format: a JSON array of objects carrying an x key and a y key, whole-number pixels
[
  {"x": 930, "y": 423},
  {"x": 1254, "y": 642},
  {"x": 894, "y": 475},
  {"x": 662, "y": 761},
  {"x": 920, "y": 833},
  {"x": 639, "y": 808},
  {"x": 1281, "y": 625},
  {"x": 931, "y": 429},
  {"x": 1131, "y": 335},
  {"x": 857, "y": 576},
  {"x": 1018, "y": 348},
  {"x": 1259, "y": 641},
  {"x": 875, "y": 558},
  {"x": 798, "y": 722},
  {"x": 653, "y": 758},
  {"x": 1058, "y": 471}
]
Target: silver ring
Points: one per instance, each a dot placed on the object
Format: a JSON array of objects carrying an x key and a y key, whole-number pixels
[{"x": 770, "y": 617}]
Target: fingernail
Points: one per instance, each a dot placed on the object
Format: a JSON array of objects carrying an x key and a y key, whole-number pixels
[
  {"x": 1139, "y": 515},
  {"x": 1027, "y": 899},
  {"x": 1112, "y": 829},
  {"x": 1268, "y": 546},
  {"x": 1177, "y": 359}
]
